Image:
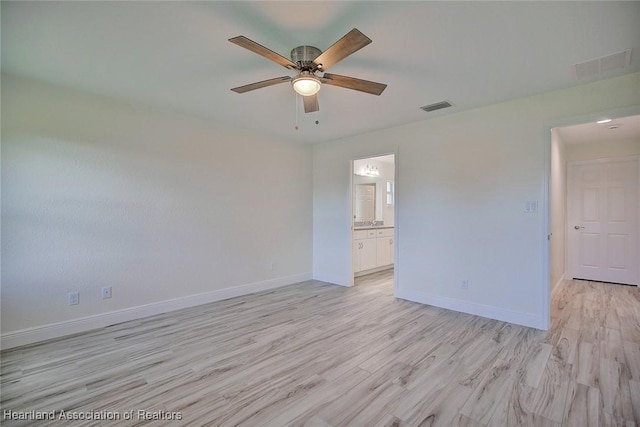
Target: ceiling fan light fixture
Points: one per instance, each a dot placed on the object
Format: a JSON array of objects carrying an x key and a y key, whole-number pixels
[{"x": 306, "y": 84}]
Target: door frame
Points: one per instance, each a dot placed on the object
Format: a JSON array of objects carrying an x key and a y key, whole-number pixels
[
  {"x": 571, "y": 187},
  {"x": 396, "y": 218},
  {"x": 547, "y": 135}
]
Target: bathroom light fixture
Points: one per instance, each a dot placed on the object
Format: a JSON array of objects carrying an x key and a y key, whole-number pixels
[
  {"x": 603, "y": 121},
  {"x": 306, "y": 84},
  {"x": 369, "y": 171},
  {"x": 372, "y": 171}
]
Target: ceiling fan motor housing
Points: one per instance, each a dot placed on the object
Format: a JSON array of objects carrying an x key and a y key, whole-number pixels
[{"x": 303, "y": 56}]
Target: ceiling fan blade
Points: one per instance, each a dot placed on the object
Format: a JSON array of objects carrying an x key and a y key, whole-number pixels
[
  {"x": 259, "y": 85},
  {"x": 352, "y": 83},
  {"x": 261, "y": 50},
  {"x": 353, "y": 41},
  {"x": 311, "y": 103}
]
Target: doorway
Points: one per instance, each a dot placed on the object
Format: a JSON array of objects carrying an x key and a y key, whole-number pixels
[
  {"x": 595, "y": 201},
  {"x": 373, "y": 213}
]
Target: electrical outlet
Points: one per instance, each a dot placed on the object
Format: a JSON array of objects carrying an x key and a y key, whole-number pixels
[
  {"x": 464, "y": 284},
  {"x": 106, "y": 292},
  {"x": 73, "y": 298}
]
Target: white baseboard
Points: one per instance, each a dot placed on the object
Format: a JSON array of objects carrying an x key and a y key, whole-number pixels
[
  {"x": 491, "y": 312},
  {"x": 74, "y": 326}
]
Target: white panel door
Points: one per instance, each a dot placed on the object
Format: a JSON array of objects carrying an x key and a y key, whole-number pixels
[
  {"x": 602, "y": 221},
  {"x": 365, "y": 209}
]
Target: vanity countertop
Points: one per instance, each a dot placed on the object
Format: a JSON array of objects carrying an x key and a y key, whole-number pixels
[{"x": 368, "y": 227}]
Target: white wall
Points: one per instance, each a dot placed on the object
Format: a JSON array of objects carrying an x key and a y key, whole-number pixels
[
  {"x": 463, "y": 181},
  {"x": 160, "y": 206},
  {"x": 558, "y": 209},
  {"x": 604, "y": 149}
]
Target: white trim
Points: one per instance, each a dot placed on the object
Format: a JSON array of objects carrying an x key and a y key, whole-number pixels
[
  {"x": 74, "y": 326},
  {"x": 352, "y": 274},
  {"x": 396, "y": 220},
  {"x": 352, "y": 277},
  {"x": 546, "y": 294},
  {"x": 601, "y": 160},
  {"x": 557, "y": 285},
  {"x": 488, "y": 311},
  {"x": 544, "y": 322}
]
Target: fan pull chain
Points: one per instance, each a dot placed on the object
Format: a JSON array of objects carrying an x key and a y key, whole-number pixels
[{"x": 296, "y": 105}]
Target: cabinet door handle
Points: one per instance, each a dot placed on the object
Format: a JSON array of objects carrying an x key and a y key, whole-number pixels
[{"x": 391, "y": 241}]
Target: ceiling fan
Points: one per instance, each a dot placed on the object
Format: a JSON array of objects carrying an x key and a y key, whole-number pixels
[{"x": 308, "y": 62}]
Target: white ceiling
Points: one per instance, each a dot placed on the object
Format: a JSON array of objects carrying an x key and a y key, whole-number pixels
[
  {"x": 618, "y": 129},
  {"x": 175, "y": 55},
  {"x": 378, "y": 160}
]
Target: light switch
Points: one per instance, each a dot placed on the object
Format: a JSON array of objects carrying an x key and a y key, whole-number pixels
[{"x": 531, "y": 206}]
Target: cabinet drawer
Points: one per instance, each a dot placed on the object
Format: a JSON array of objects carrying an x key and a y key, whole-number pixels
[
  {"x": 371, "y": 233},
  {"x": 360, "y": 234},
  {"x": 385, "y": 232}
]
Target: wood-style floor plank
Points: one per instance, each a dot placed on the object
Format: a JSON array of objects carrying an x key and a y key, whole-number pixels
[{"x": 318, "y": 355}]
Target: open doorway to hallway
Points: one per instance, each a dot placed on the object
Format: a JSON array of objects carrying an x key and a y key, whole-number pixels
[
  {"x": 373, "y": 215},
  {"x": 595, "y": 196}
]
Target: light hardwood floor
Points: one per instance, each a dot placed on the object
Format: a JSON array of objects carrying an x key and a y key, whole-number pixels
[{"x": 314, "y": 354}]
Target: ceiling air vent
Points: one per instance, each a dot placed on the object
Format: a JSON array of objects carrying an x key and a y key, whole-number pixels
[
  {"x": 603, "y": 64},
  {"x": 437, "y": 106}
]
